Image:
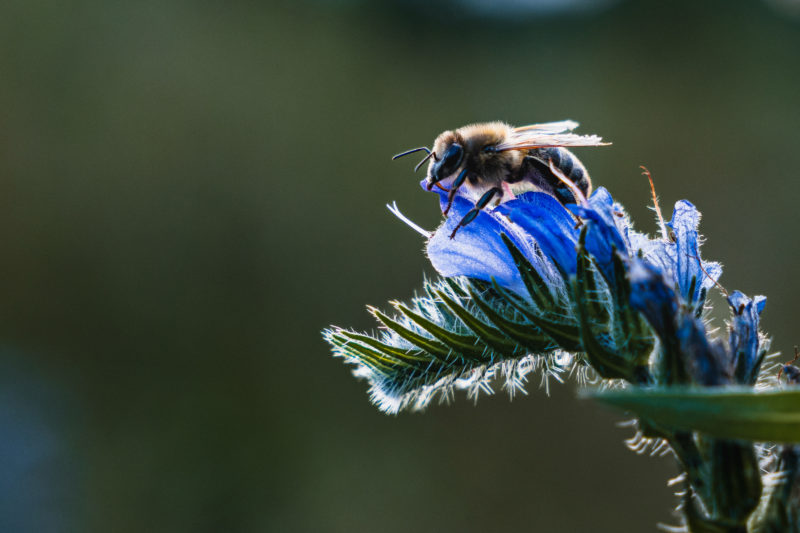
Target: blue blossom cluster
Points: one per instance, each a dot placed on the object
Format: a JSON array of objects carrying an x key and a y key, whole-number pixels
[
  {"x": 667, "y": 281},
  {"x": 533, "y": 284}
]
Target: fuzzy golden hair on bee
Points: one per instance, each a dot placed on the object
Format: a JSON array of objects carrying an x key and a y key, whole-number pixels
[
  {"x": 474, "y": 140},
  {"x": 491, "y": 162},
  {"x": 474, "y": 136}
]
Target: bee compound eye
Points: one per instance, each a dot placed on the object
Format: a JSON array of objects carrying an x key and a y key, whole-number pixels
[{"x": 452, "y": 158}]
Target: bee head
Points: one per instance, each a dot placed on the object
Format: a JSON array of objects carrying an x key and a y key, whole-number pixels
[
  {"x": 469, "y": 149},
  {"x": 450, "y": 153},
  {"x": 446, "y": 164}
]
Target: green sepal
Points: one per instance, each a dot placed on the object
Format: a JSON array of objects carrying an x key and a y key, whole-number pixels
[
  {"x": 457, "y": 289},
  {"x": 536, "y": 285},
  {"x": 607, "y": 363},
  {"x": 684, "y": 444},
  {"x": 596, "y": 311},
  {"x": 698, "y": 523},
  {"x": 723, "y": 412},
  {"x": 410, "y": 356},
  {"x": 526, "y": 335},
  {"x": 735, "y": 479},
  {"x": 433, "y": 298},
  {"x": 465, "y": 345},
  {"x": 630, "y": 329},
  {"x": 567, "y": 336},
  {"x": 378, "y": 360},
  {"x": 436, "y": 349},
  {"x": 491, "y": 336},
  {"x": 779, "y": 515}
]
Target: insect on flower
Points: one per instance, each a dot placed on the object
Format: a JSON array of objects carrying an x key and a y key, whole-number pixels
[
  {"x": 492, "y": 162},
  {"x": 525, "y": 288}
]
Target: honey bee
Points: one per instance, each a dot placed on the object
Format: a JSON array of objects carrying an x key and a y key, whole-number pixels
[{"x": 492, "y": 162}]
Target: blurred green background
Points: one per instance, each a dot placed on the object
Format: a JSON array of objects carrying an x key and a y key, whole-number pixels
[{"x": 189, "y": 192}]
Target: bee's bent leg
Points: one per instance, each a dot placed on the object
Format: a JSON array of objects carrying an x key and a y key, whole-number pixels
[
  {"x": 458, "y": 182},
  {"x": 479, "y": 205}
]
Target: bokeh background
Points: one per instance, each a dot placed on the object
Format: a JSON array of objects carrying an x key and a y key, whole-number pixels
[{"x": 191, "y": 191}]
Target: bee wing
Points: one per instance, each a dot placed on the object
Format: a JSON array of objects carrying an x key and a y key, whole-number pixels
[
  {"x": 550, "y": 127},
  {"x": 530, "y": 139}
]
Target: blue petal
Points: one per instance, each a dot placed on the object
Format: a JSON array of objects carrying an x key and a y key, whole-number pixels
[
  {"x": 705, "y": 361},
  {"x": 680, "y": 258},
  {"x": 652, "y": 296},
  {"x": 688, "y": 274},
  {"x": 546, "y": 221},
  {"x": 604, "y": 236},
  {"x": 744, "y": 341},
  {"x": 685, "y": 253},
  {"x": 614, "y": 216},
  {"x": 477, "y": 251}
]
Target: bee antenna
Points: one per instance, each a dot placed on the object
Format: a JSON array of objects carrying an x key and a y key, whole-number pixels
[
  {"x": 407, "y": 152},
  {"x": 430, "y": 154}
]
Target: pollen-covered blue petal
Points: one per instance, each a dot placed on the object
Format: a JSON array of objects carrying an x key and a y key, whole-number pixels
[
  {"x": 744, "y": 339},
  {"x": 546, "y": 221}
]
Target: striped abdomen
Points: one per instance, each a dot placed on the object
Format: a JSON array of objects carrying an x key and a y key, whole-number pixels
[{"x": 566, "y": 162}]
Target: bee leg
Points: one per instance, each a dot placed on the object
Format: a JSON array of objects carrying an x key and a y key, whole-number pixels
[
  {"x": 458, "y": 182},
  {"x": 479, "y": 205}
]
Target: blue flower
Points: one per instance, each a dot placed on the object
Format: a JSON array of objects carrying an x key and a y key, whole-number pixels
[
  {"x": 547, "y": 233},
  {"x": 548, "y": 224},
  {"x": 589, "y": 293},
  {"x": 652, "y": 296},
  {"x": 539, "y": 225},
  {"x": 705, "y": 361},
  {"x": 688, "y": 355},
  {"x": 679, "y": 255},
  {"x": 535, "y": 222},
  {"x": 591, "y": 288},
  {"x": 747, "y": 348},
  {"x": 658, "y": 281},
  {"x": 608, "y": 229}
]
